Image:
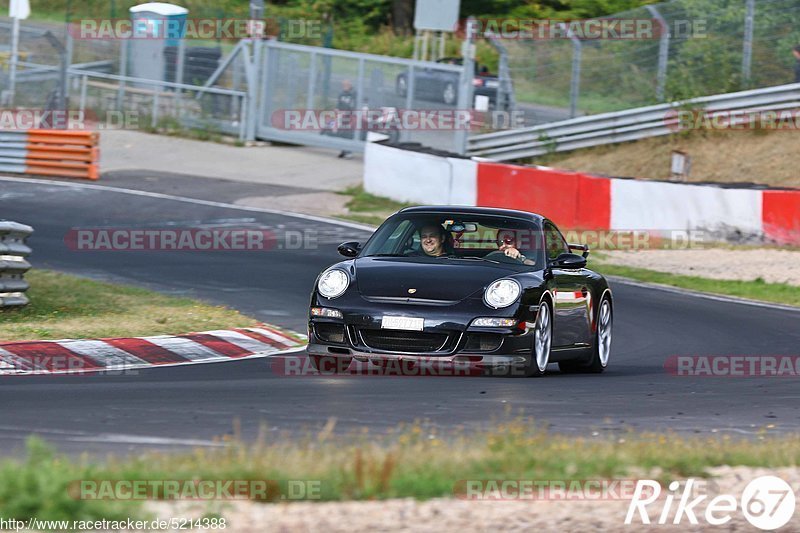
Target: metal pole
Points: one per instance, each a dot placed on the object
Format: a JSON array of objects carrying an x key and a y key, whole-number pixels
[
  {"x": 12, "y": 78},
  {"x": 84, "y": 83},
  {"x": 359, "y": 100},
  {"x": 179, "y": 76},
  {"x": 156, "y": 105},
  {"x": 663, "y": 53},
  {"x": 575, "y": 82},
  {"x": 312, "y": 81},
  {"x": 180, "y": 61},
  {"x": 747, "y": 47},
  {"x": 123, "y": 71},
  {"x": 405, "y": 134},
  {"x": 253, "y": 65},
  {"x": 465, "y": 89},
  {"x": 62, "y": 74}
]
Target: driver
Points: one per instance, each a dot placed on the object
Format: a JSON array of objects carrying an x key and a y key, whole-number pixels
[{"x": 507, "y": 244}]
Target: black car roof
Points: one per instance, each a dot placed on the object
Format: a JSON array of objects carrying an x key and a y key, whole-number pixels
[{"x": 444, "y": 209}]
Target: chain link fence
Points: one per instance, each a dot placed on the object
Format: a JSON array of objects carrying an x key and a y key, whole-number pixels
[{"x": 698, "y": 48}]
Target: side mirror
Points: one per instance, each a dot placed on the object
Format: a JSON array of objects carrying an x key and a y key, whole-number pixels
[
  {"x": 349, "y": 249},
  {"x": 582, "y": 247},
  {"x": 569, "y": 262}
]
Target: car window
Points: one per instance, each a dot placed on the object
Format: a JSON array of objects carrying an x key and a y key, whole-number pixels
[
  {"x": 554, "y": 241},
  {"x": 393, "y": 244}
]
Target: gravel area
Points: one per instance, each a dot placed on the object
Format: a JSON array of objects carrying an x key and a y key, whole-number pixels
[
  {"x": 773, "y": 266},
  {"x": 445, "y": 515}
]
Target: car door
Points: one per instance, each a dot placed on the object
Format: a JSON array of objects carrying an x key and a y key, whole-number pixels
[{"x": 570, "y": 292}]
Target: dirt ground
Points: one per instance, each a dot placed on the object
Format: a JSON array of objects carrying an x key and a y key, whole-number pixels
[
  {"x": 737, "y": 156},
  {"x": 462, "y": 516},
  {"x": 771, "y": 265}
]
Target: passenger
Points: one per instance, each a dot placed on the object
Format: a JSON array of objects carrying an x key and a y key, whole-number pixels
[{"x": 433, "y": 238}]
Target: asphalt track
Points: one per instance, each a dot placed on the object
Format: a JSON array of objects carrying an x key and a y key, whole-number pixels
[{"x": 171, "y": 408}]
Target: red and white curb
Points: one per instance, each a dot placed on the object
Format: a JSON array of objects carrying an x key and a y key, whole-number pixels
[{"x": 104, "y": 355}]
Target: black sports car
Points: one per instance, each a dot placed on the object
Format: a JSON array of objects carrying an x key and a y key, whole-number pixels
[
  {"x": 496, "y": 288},
  {"x": 442, "y": 86}
]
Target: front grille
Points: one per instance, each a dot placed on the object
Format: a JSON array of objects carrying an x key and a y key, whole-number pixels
[
  {"x": 403, "y": 341},
  {"x": 483, "y": 342},
  {"x": 330, "y": 332}
]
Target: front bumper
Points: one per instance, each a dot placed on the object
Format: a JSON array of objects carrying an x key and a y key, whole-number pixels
[{"x": 353, "y": 336}]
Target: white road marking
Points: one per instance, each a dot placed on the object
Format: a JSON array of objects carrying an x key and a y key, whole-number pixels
[{"x": 161, "y": 196}]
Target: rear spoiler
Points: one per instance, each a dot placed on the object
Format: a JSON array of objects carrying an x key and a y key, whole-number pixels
[{"x": 583, "y": 247}]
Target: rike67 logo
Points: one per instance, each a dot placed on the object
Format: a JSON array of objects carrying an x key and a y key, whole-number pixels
[{"x": 767, "y": 502}]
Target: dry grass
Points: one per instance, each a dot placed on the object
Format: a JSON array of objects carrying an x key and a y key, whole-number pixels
[
  {"x": 419, "y": 461},
  {"x": 736, "y": 156},
  {"x": 64, "y": 306}
]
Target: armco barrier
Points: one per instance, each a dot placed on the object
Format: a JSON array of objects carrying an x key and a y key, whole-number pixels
[
  {"x": 580, "y": 201},
  {"x": 13, "y": 263},
  {"x": 58, "y": 153}
]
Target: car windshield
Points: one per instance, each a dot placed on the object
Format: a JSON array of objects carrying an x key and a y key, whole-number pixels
[{"x": 458, "y": 236}]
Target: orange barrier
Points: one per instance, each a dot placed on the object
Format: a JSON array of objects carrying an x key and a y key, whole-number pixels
[{"x": 63, "y": 153}]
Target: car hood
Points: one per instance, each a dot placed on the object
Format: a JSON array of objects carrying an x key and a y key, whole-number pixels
[{"x": 433, "y": 279}]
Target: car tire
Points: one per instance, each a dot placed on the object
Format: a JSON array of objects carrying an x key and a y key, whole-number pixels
[
  {"x": 401, "y": 86},
  {"x": 601, "y": 349},
  {"x": 542, "y": 343},
  {"x": 327, "y": 365},
  {"x": 449, "y": 93}
]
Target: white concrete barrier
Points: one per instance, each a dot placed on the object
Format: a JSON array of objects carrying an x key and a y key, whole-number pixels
[
  {"x": 418, "y": 177},
  {"x": 661, "y": 206}
]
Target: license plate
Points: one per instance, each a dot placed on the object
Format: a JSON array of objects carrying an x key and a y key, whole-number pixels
[{"x": 403, "y": 322}]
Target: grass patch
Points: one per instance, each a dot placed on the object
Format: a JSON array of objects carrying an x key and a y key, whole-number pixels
[
  {"x": 64, "y": 306},
  {"x": 721, "y": 156},
  {"x": 412, "y": 461},
  {"x": 367, "y": 208},
  {"x": 39, "y": 487},
  {"x": 758, "y": 289}
]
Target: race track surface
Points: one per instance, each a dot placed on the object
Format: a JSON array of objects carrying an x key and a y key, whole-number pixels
[{"x": 170, "y": 408}]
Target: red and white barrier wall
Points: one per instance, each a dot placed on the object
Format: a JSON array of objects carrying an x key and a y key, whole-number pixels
[{"x": 574, "y": 200}]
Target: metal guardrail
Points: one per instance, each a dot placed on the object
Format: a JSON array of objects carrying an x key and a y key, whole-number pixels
[
  {"x": 13, "y": 263},
  {"x": 627, "y": 125}
]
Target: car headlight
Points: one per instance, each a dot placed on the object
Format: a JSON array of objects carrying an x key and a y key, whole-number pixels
[
  {"x": 502, "y": 293},
  {"x": 333, "y": 283}
]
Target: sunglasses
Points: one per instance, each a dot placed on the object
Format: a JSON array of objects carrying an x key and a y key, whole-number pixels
[{"x": 506, "y": 240}]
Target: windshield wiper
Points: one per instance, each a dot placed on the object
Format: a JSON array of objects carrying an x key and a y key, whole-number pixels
[{"x": 386, "y": 255}]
